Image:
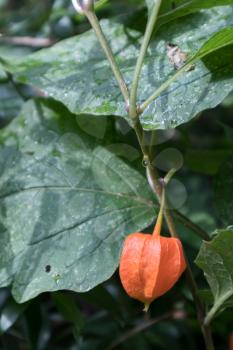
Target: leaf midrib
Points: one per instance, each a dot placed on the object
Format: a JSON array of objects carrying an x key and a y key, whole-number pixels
[{"x": 79, "y": 189}]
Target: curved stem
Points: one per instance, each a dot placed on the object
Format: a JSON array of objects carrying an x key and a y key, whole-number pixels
[
  {"x": 91, "y": 16},
  {"x": 140, "y": 328},
  {"x": 162, "y": 87},
  {"x": 152, "y": 176},
  {"x": 153, "y": 179},
  {"x": 206, "y": 330},
  {"x": 151, "y": 171},
  {"x": 217, "y": 305},
  {"x": 142, "y": 53},
  {"x": 159, "y": 222},
  {"x": 193, "y": 227}
]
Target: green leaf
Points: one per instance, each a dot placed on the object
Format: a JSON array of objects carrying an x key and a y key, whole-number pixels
[
  {"x": 223, "y": 192},
  {"x": 219, "y": 40},
  {"x": 198, "y": 80},
  {"x": 76, "y": 73},
  {"x": 173, "y": 9},
  {"x": 216, "y": 260},
  {"x": 66, "y": 205}
]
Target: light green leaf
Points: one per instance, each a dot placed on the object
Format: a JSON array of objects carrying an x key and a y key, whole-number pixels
[
  {"x": 76, "y": 73},
  {"x": 173, "y": 9},
  {"x": 216, "y": 260},
  {"x": 203, "y": 83},
  {"x": 221, "y": 39},
  {"x": 223, "y": 191},
  {"x": 66, "y": 205}
]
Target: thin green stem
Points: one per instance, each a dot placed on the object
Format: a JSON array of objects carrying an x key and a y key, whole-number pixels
[
  {"x": 153, "y": 177},
  {"x": 207, "y": 335},
  {"x": 142, "y": 53},
  {"x": 193, "y": 227},
  {"x": 139, "y": 133},
  {"x": 162, "y": 87},
  {"x": 109, "y": 54},
  {"x": 206, "y": 330},
  {"x": 216, "y": 307},
  {"x": 169, "y": 175},
  {"x": 140, "y": 328},
  {"x": 159, "y": 222}
]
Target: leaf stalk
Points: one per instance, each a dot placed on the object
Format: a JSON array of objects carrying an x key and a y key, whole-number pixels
[
  {"x": 146, "y": 39},
  {"x": 91, "y": 16},
  {"x": 134, "y": 113}
]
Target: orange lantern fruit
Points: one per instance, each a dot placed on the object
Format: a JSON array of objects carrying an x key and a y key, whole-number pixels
[{"x": 150, "y": 265}]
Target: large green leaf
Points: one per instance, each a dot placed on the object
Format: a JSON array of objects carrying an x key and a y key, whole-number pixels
[
  {"x": 224, "y": 190},
  {"x": 66, "y": 205},
  {"x": 216, "y": 260},
  {"x": 76, "y": 73}
]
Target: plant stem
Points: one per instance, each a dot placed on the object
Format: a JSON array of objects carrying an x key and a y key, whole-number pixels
[
  {"x": 27, "y": 41},
  {"x": 207, "y": 335},
  {"x": 162, "y": 87},
  {"x": 153, "y": 181},
  {"x": 108, "y": 52},
  {"x": 140, "y": 328},
  {"x": 188, "y": 223},
  {"x": 142, "y": 53},
  {"x": 153, "y": 177},
  {"x": 217, "y": 305},
  {"x": 206, "y": 330},
  {"x": 159, "y": 222}
]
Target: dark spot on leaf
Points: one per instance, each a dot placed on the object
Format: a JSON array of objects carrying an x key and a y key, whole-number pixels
[{"x": 47, "y": 268}]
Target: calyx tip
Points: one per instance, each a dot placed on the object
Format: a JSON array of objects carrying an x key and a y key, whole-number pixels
[{"x": 146, "y": 307}]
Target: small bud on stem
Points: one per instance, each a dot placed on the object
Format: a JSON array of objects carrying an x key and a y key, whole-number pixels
[{"x": 83, "y": 6}]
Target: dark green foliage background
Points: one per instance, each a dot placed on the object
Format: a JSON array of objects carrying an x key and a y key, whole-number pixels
[{"x": 104, "y": 317}]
